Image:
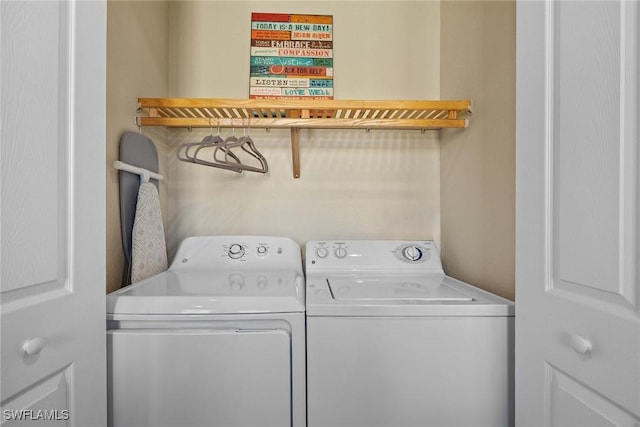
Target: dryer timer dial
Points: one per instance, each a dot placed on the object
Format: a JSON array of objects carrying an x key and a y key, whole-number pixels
[{"x": 236, "y": 251}]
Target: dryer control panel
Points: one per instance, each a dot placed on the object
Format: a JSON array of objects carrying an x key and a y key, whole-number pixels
[
  {"x": 221, "y": 253},
  {"x": 241, "y": 250},
  {"x": 372, "y": 255}
]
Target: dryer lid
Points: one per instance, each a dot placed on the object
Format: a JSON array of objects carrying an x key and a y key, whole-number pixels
[
  {"x": 402, "y": 288},
  {"x": 204, "y": 292}
]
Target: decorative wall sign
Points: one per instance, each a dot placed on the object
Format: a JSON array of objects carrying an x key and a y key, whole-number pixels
[{"x": 291, "y": 56}]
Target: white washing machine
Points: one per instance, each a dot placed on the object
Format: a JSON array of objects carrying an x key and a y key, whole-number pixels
[
  {"x": 216, "y": 340},
  {"x": 393, "y": 341}
]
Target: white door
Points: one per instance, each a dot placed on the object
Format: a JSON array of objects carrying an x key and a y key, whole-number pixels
[
  {"x": 577, "y": 275},
  {"x": 228, "y": 377},
  {"x": 52, "y": 293}
]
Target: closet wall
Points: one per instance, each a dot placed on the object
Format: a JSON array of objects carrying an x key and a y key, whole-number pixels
[
  {"x": 478, "y": 47},
  {"x": 137, "y": 63},
  {"x": 354, "y": 184}
]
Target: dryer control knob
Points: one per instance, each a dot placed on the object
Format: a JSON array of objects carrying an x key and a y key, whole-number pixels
[
  {"x": 322, "y": 252},
  {"x": 412, "y": 253},
  {"x": 236, "y": 251},
  {"x": 340, "y": 252}
]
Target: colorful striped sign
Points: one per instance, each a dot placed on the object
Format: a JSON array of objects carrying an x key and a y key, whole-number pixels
[
  {"x": 286, "y": 92},
  {"x": 279, "y": 26},
  {"x": 269, "y": 70},
  {"x": 274, "y": 81},
  {"x": 277, "y": 81},
  {"x": 274, "y": 51},
  {"x": 291, "y": 56},
  {"x": 298, "y": 44}
]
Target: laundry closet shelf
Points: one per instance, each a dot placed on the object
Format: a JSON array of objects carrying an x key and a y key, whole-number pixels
[
  {"x": 302, "y": 114},
  {"x": 329, "y": 114}
]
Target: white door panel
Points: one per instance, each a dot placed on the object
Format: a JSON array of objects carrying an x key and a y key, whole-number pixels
[
  {"x": 573, "y": 404},
  {"x": 578, "y": 319},
  {"x": 194, "y": 383},
  {"x": 38, "y": 400},
  {"x": 52, "y": 293},
  {"x": 32, "y": 46},
  {"x": 593, "y": 117},
  {"x": 612, "y": 363},
  {"x": 21, "y": 370},
  {"x": 584, "y": 77}
]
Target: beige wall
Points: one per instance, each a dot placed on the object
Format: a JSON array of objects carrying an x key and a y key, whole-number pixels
[
  {"x": 478, "y": 164},
  {"x": 137, "y": 58},
  {"x": 354, "y": 184}
]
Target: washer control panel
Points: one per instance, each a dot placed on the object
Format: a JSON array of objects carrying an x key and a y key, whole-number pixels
[
  {"x": 329, "y": 250},
  {"x": 413, "y": 253},
  {"x": 372, "y": 254}
]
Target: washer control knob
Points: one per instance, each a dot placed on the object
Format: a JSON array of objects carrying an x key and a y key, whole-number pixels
[
  {"x": 262, "y": 250},
  {"x": 340, "y": 252},
  {"x": 322, "y": 252},
  {"x": 412, "y": 253},
  {"x": 236, "y": 251}
]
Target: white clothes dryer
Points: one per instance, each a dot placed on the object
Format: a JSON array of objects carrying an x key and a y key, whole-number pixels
[
  {"x": 393, "y": 341},
  {"x": 216, "y": 340}
]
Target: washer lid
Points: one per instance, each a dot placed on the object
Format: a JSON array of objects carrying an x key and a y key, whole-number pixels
[
  {"x": 204, "y": 292},
  {"x": 410, "y": 288},
  {"x": 390, "y": 295}
]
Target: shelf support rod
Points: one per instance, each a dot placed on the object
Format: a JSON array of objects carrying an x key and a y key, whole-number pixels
[{"x": 295, "y": 151}]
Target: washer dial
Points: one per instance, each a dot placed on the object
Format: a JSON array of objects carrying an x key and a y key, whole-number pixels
[
  {"x": 412, "y": 253},
  {"x": 340, "y": 252},
  {"x": 322, "y": 252}
]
